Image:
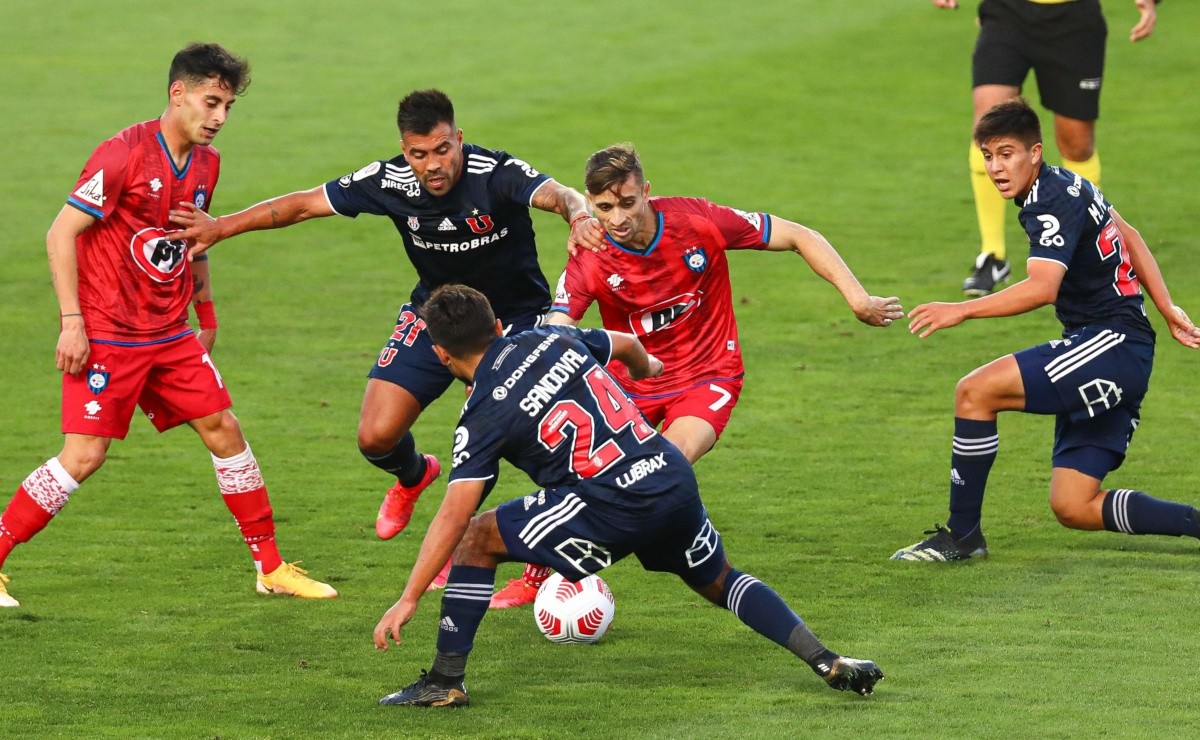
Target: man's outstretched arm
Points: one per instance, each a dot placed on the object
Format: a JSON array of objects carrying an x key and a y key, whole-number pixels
[
  {"x": 444, "y": 533},
  {"x": 787, "y": 236},
  {"x": 203, "y": 231}
]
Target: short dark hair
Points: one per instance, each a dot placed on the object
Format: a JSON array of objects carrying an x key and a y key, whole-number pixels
[
  {"x": 459, "y": 319},
  {"x": 1014, "y": 118},
  {"x": 611, "y": 166},
  {"x": 196, "y": 62},
  {"x": 421, "y": 110}
]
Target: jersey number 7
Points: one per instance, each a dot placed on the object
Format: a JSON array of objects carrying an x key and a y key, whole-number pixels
[{"x": 617, "y": 411}]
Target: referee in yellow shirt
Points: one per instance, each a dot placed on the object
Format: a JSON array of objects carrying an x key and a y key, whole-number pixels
[{"x": 1062, "y": 41}]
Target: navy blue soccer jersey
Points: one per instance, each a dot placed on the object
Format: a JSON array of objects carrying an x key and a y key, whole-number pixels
[
  {"x": 1069, "y": 222},
  {"x": 478, "y": 234},
  {"x": 542, "y": 400}
]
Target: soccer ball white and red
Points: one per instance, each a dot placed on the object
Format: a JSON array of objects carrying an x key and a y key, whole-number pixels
[{"x": 574, "y": 612}]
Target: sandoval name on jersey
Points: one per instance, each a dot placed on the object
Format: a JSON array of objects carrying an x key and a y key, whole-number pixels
[{"x": 542, "y": 401}]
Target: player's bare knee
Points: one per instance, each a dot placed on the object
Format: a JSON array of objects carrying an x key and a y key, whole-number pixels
[
  {"x": 222, "y": 434},
  {"x": 81, "y": 460},
  {"x": 1073, "y": 514},
  {"x": 971, "y": 396},
  {"x": 375, "y": 439},
  {"x": 228, "y": 425},
  {"x": 1079, "y": 154},
  {"x": 1077, "y": 148}
]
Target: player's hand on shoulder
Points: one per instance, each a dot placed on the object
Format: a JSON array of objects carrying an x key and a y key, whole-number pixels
[
  {"x": 1182, "y": 328},
  {"x": 929, "y": 317},
  {"x": 880, "y": 311},
  {"x": 71, "y": 351},
  {"x": 199, "y": 228},
  {"x": 586, "y": 233}
]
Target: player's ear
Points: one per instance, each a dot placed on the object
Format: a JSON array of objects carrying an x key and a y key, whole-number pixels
[
  {"x": 442, "y": 355},
  {"x": 499, "y": 328},
  {"x": 175, "y": 92},
  {"x": 1036, "y": 152},
  {"x": 646, "y": 189}
]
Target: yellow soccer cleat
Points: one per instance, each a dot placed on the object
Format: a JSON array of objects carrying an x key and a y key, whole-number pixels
[
  {"x": 288, "y": 579},
  {"x": 5, "y": 599}
]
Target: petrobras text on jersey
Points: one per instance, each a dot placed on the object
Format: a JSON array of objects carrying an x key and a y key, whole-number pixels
[
  {"x": 476, "y": 243},
  {"x": 559, "y": 374}
]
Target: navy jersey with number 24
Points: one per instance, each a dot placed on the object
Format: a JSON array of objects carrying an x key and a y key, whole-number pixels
[{"x": 542, "y": 400}]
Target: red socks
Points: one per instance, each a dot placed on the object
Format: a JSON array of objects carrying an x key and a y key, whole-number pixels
[
  {"x": 36, "y": 501},
  {"x": 535, "y": 575},
  {"x": 46, "y": 490},
  {"x": 245, "y": 495}
]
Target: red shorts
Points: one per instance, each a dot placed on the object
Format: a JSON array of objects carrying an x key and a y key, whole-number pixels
[
  {"x": 173, "y": 382},
  {"x": 710, "y": 400}
]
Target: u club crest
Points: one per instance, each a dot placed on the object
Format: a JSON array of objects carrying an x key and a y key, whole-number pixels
[{"x": 480, "y": 224}]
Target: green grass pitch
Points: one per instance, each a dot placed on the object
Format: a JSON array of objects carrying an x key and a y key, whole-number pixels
[{"x": 851, "y": 116}]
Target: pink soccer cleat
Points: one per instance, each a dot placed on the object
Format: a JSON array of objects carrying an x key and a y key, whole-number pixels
[{"x": 397, "y": 507}]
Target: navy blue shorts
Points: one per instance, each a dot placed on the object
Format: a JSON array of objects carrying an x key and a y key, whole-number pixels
[
  {"x": 578, "y": 535},
  {"x": 408, "y": 359},
  {"x": 1093, "y": 381}
]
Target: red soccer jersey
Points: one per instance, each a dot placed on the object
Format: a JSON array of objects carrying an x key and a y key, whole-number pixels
[
  {"x": 135, "y": 282},
  {"x": 674, "y": 295}
]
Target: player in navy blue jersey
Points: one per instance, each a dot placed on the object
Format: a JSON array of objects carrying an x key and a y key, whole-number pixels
[
  {"x": 1062, "y": 42},
  {"x": 611, "y": 486},
  {"x": 462, "y": 212},
  {"x": 1092, "y": 265}
]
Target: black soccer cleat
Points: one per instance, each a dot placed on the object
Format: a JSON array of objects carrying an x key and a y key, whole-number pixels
[
  {"x": 942, "y": 547},
  {"x": 851, "y": 674},
  {"x": 426, "y": 692},
  {"x": 986, "y": 275}
]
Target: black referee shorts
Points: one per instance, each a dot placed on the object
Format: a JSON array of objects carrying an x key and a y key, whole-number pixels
[{"x": 1062, "y": 43}]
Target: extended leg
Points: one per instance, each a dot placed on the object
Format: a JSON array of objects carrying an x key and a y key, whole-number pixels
[{"x": 388, "y": 413}]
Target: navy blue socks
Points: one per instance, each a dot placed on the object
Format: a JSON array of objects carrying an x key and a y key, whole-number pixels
[{"x": 974, "y": 451}]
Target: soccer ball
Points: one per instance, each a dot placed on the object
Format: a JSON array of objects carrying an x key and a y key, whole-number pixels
[{"x": 574, "y": 612}]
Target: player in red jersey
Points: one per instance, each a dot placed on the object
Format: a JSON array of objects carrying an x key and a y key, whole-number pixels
[
  {"x": 123, "y": 286},
  {"x": 665, "y": 279}
]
